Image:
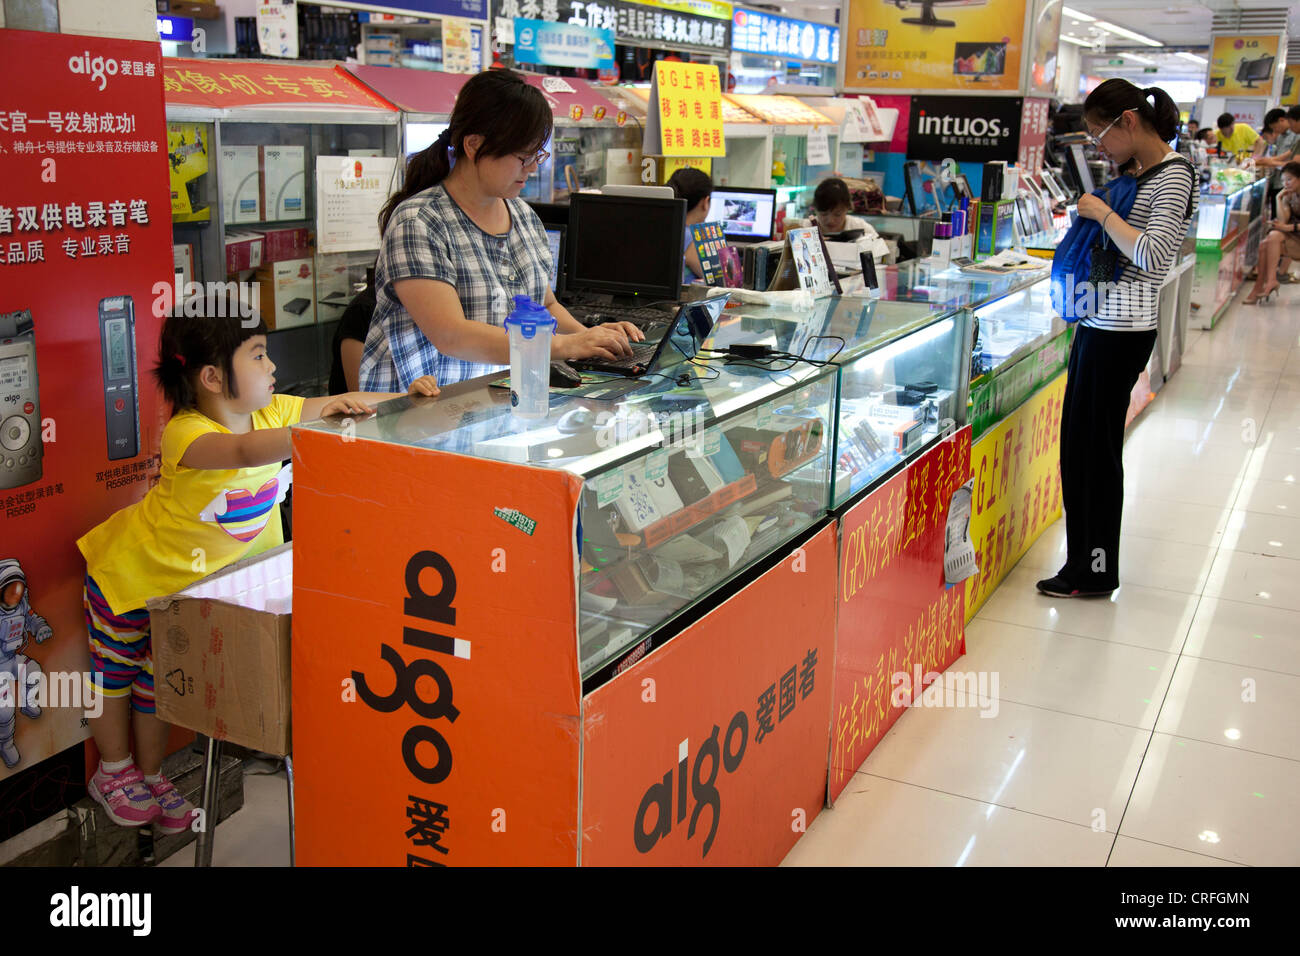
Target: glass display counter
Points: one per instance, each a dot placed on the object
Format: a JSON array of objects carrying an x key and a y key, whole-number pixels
[{"x": 1228, "y": 229}]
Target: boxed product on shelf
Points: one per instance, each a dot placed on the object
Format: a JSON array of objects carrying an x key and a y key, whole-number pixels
[
  {"x": 221, "y": 653},
  {"x": 284, "y": 178},
  {"x": 334, "y": 290},
  {"x": 187, "y": 152},
  {"x": 241, "y": 187},
  {"x": 243, "y": 251},
  {"x": 183, "y": 263},
  {"x": 288, "y": 293},
  {"x": 289, "y": 243}
]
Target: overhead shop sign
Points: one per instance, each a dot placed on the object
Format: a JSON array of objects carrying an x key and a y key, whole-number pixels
[
  {"x": 472, "y": 9},
  {"x": 769, "y": 35},
  {"x": 563, "y": 44},
  {"x": 634, "y": 22}
]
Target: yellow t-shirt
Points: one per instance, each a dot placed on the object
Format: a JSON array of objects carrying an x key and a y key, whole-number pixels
[
  {"x": 148, "y": 549},
  {"x": 1241, "y": 141}
]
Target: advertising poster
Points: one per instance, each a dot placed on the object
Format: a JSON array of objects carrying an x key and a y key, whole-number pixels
[
  {"x": 975, "y": 46},
  {"x": 898, "y": 619},
  {"x": 563, "y": 44},
  {"x": 409, "y": 619},
  {"x": 1033, "y": 134},
  {"x": 1045, "y": 42},
  {"x": 712, "y": 750},
  {"x": 1017, "y": 494},
  {"x": 685, "y": 117},
  {"x": 1291, "y": 84},
  {"x": 964, "y": 128},
  {"x": 277, "y": 28},
  {"x": 1242, "y": 65},
  {"x": 457, "y": 46},
  {"x": 85, "y": 234}
]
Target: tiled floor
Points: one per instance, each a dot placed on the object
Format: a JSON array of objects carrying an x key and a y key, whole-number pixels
[{"x": 1160, "y": 727}]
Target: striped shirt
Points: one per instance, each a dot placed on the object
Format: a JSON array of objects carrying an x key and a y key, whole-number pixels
[
  {"x": 430, "y": 237},
  {"x": 1159, "y": 213}
]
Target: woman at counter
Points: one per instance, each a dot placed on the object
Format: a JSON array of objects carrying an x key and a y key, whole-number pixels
[
  {"x": 695, "y": 186},
  {"x": 1111, "y": 348},
  {"x": 1283, "y": 241},
  {"x": 458, "y": 245}
]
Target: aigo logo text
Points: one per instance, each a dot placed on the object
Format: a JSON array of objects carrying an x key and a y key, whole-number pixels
[{"x": 99, "y": 68}]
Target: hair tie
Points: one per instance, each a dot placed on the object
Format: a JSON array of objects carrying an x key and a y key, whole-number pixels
[
  {"x": 444, "y": 138},
  {"x": 180, "y": 358}
]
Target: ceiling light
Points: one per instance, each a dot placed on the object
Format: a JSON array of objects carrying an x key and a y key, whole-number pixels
[
  {"x": 1194, "y": 58},
  {"x": 1076, "y": 15},
  {"x": 1087, "y": 43},
  {"x": 1120, "y": 31}
]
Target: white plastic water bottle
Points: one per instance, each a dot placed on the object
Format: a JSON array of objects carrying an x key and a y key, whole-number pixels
[{"x": 530, "y": 327}]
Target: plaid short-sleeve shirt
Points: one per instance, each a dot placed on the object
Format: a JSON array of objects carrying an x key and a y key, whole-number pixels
[{"x": 430, "y": 237}]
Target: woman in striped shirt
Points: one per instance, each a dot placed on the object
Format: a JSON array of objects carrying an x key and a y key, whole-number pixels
[{"x": 1111, "y": 348}]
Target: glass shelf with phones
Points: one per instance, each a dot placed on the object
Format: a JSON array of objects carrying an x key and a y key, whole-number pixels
[{"x": 692, "y": 475}]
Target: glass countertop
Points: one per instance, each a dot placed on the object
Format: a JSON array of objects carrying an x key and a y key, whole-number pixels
[{"x": 918, "y": 281}]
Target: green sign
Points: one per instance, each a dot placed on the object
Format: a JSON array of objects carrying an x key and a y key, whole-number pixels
[{"x": 1150, "y": 69}]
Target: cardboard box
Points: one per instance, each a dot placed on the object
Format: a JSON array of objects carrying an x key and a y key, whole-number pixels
[
  {"x": 241, "y": 183},
  {"x": 288, "y": 293},
  {"x": 221, "y": 653},
  {"x": 284, "y": 179},
  {"x": 280, "y": 244},
  {"x": 243, "y": 251}
]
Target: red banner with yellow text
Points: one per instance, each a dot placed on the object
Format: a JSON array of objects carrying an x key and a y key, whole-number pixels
[
  {"x": 223, "y": 84},
  {"x": 896, "y": 612}
]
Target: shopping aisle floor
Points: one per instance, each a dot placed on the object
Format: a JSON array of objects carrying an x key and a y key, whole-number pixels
[{"x": 1159, "y": 727}]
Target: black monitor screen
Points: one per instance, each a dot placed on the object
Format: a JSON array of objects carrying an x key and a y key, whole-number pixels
[
  {"x": 626, "y": 245},
  {"x": 1081, "y": 171}
]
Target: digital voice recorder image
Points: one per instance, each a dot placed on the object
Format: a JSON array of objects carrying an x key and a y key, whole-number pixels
[
  {"x": 20, "y": 404},
  {"x": 121, "y": 388}
]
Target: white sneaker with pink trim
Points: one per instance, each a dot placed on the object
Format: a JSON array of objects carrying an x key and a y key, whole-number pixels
[
  {"x": 177, "y": 812},
  {"x": 124, "y": 796}
]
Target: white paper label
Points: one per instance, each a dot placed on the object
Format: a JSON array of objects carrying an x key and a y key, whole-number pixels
[
  {"x": 763, "y": 417},
  {"x": 557, "y": 84},
  {"x": 609, "y": 487},
  {"x": 656, "y": 465},
  {"x": 819, "y": 146},
  {"x": 505, "y": 27},
  {"x": 712, "y": 442},
  {"x": 733, "y": 533}
]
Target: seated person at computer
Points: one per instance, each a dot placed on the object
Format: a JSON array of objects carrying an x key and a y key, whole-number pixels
[
  {"x": 832, "y": 204},
  {"x": 458, "y": 244},
  {"x": 695, "y": 186},
  {"x": 1235, "y": 137}
]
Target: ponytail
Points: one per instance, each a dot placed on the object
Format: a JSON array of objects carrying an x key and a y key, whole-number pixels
[
  {"x": 1153, "y": 106},
  {"x": 499, "y": 105}
]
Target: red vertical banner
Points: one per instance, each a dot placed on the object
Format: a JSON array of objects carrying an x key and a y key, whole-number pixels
[
  {"x": 897, "y": 616},
  {"x": 85, "y": 234},
  {"x": 1033, "y": 135}
]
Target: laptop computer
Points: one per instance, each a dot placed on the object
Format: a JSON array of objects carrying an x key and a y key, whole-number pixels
[{"x": 677, "y": 343}]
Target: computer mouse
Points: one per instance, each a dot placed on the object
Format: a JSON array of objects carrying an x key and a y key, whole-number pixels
[
  {"x": 564, "y": 375},
  {"x": 575, "y": 421}
]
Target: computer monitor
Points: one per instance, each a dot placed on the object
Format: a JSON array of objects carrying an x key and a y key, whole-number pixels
[
  {"x": 1079, "y": 166},
  {"x": 551, "y": 213},
  {"x": 747, "y": 215},
  {"x": 653, "y": 192},
  {"x": 555, "y": 239},
  {"x": 916, "y": 202},
  {"x": 1252, "y": 71},
  {"x": 978, "y": 60},
  {"x": 625, "y": 245}
]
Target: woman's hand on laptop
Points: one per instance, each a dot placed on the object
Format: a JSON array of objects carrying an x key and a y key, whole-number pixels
[{"x": 608, "y": 342}]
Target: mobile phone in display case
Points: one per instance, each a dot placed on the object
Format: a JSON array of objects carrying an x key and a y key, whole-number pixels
[
  {"x": 121, "y": 385},
  {"x": 21, "y": 451}
]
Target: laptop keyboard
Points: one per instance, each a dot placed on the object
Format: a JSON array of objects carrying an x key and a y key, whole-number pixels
[{"x": 594, "y": 315}]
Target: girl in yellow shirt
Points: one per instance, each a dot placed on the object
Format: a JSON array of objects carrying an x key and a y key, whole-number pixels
[{"x": 216, "y": 501}]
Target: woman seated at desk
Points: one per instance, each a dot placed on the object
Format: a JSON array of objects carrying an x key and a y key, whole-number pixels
[
  {"x": 459, "y": 244},
  {"x": 832, "y": 203}
]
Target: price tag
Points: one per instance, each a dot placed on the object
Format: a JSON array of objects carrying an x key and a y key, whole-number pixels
[
  {"x": 556, "y": 84},
  {"x": 609, "y": 487},
  {"x": 656, "y": 465},
  {"x": 778, "y": 130},
  {"x": 712, "y": 442},
  {"x": 764, "y": 416},
  {"x": 819, "y": 146}
]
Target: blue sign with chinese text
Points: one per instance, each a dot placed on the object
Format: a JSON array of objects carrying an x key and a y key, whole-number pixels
[
  {"x": 769, "y": 35},
  {"x": 473, "y": 9},
  {"x": 563, "y": 44}
]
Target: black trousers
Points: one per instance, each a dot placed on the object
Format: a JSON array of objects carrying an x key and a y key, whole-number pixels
[{"x": 1104, "y": 366}]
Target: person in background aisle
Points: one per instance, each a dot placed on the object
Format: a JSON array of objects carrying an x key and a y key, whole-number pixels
[
  {"x": 833, "y": 204},
  {"x": 458, "y": 244},
  {"x": 1235, "y": 138},
  {"x": 350, "y": 339},
  {"x": 1283, "y": 240},
  {"x": 695, "y": 186},
  {"x": 1280, "y": 150},
  {"x": 1111, "y": 347},
  {"x": 1193, "y": 127},
  {"x": 218, "y": 493}
]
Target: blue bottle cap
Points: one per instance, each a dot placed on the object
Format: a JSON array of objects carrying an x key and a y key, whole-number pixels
[{"x": 530, "y": 317}]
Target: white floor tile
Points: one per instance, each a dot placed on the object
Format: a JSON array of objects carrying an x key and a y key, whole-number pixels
[
  {"x": 1025, "y": 758},
  {"x": 1234, "y": 705},
  {"x": 1171, "y": 565},
  {"x": 1274, "y": 465},
  {"x": 1209, "y": 489},
  {"x": 1269, "y": 497},
  {"x": 1256, "y": 533},
  {"x": 1075, "y": 675},
  {"x": 1255, "y": 579},
  {"x": 1247, "y": 634},
  {"x": 1130, "y": 852},
  {"x": 879, "y": 822},
  {"x": 1142, "y": 617},
  {"x": 1174, "y": 520},
  {"x": 1207, "y": 798}
]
